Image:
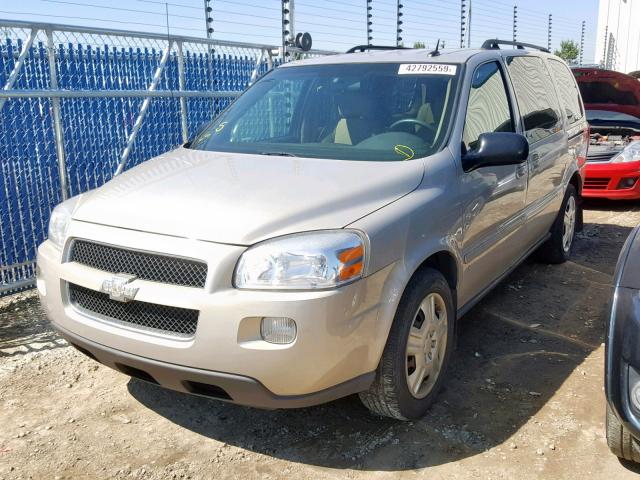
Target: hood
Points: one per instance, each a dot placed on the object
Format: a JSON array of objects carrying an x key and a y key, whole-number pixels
[
  {"x": 608, "y": 90},
  {"x": 243, "y": 199}
]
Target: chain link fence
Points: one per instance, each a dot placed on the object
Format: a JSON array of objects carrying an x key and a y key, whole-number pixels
[{"x": 79, "y": 105}]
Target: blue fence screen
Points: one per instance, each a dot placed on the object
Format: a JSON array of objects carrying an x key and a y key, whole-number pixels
[{"x": 95, "y": 130}]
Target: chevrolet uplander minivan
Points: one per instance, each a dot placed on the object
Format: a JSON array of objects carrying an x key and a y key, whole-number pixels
[{"x": 322, "y": 235}]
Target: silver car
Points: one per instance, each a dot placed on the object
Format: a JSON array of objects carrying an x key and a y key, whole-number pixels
[{"x": 322, "y": 235}]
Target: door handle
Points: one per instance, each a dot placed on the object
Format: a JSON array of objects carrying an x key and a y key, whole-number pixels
[{"x": 521, "y": 170}]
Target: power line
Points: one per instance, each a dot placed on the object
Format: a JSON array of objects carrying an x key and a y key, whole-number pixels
[{"x": 119, "y": 9}]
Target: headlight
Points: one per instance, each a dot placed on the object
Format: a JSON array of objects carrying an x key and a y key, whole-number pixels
[
  {"x": 631, "y": 153},
  {"x": 304, "y": 261},
  {"x": 59, "y": 221}
]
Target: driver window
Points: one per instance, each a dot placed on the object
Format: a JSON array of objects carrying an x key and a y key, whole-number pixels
[{"x": 488, "y": 108}]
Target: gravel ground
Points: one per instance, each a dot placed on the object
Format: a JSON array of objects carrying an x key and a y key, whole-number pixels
[{"x": 525, "y": 398}]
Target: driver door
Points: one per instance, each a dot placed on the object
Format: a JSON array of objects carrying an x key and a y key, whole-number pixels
[{"x": 493, "y": 197}]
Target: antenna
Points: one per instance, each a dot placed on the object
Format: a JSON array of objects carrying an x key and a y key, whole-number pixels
[{"x": 435, "y": 52}]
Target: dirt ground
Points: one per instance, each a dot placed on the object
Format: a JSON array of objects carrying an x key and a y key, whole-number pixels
[{"x": 525, "y": 398}]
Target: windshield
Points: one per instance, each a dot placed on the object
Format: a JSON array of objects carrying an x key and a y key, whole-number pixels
[{"x": 347, "y": 112}]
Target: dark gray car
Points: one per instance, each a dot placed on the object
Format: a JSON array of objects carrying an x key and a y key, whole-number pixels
[{"x": 622, "y": 360}]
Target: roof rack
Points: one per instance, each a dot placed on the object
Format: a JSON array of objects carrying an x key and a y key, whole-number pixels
[
  {"x": 365, "y": 48},
  {"x": 494, "y": 44}
]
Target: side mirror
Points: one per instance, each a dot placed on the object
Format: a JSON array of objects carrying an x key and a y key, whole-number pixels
[{"x": 496, "y": 149}]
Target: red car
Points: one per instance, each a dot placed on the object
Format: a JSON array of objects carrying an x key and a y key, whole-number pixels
[{"x": 612, "y": 103}]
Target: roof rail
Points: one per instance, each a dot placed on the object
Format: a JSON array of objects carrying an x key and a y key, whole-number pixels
[
  {"x": 365, "y": 48},
  {"x": 494, "y": 43}
]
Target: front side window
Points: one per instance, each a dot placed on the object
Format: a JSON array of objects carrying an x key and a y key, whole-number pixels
[
  {"x": 569, "y": 94},
  {"x": 488, "y": 109},
  {"x": 375, "y": 111},
  {"x": 536, "y": 97}
]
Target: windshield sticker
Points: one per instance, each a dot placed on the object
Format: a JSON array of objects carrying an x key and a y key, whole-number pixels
[
  {"x": 406, "y": 152},
  {"x": 427, "y": 69},
  {"x": 220, "y": 127}
]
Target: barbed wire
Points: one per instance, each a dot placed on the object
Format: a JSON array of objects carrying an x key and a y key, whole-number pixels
[{"x": 330, "y": 22}]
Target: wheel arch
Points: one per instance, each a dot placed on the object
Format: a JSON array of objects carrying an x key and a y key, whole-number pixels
[{"x": 576, "y": 181}]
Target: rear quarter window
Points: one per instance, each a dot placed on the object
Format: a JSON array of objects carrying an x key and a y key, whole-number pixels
[
  {"x": 535, "y": 95},
  {"x": 568, "y": 90}
]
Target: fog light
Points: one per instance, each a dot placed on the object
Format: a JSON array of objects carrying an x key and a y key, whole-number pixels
[
  {"x": 627, "y": 182},
  {"x": 280, "y": 330},
  {"x": 635, "y": 396},
  {"x": 634, "y": 388}
]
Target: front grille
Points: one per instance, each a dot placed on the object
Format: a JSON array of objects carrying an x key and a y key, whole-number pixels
[
  {"x": 600, "y": 157},
  {"x": 144, "y": 265},
  {"x": 596, "y": 183},
  {"x": 181, "y": 322}
]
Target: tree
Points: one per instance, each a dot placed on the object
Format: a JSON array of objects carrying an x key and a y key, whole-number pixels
[
  {"x": 569, "y": 51},
  {"x": 418, "y": 44}
]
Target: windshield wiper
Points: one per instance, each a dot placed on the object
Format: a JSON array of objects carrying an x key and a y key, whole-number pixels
[{"x": 279, "y": 154}]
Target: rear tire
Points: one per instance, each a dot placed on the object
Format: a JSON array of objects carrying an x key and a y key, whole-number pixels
[
  {"x": 418, "y": 350},
  {"x": 557, "y": 249},
  {"x": 619, "y": 440}
]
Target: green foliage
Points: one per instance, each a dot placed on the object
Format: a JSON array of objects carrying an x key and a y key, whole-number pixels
[
  {"x": 418, "y": 44},
  {"x": 569, "y": 51}
]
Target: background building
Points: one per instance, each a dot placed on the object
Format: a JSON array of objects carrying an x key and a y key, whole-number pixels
[{"x": 618, "y": 37}]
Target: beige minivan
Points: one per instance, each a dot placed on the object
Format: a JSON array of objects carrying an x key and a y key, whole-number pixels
[{"x": 322, "y": 235}]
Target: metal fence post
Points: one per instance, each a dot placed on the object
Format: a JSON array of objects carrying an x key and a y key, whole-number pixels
[
  {"x": 604, "y": 50},
  {"x": 18, "y": 65},
  {"x": 287, "y": 28},
  {"x": 469, "y": 14},
  {"x": 463, "y": 7},
  {"x": 515, "y": 23},
  {"x": 398, "y": 23},
  {"x": 57, "y": 122},
  {"x": 256, "y": 69},
  {"x": 549, "y": 25},
  {"x": 183, "y": 100},
  {"x": 582, "y": 41},
  {"x": 208, "y": 19},
  {"x": 143, "y": 110}
]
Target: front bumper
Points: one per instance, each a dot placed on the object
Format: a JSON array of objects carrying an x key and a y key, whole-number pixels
[
  {"x": 340, "y": 332},
  {"x": 622, "y": 359},
  {"x": 221, "y": 386},
  {"x": 603, "y": 180}
]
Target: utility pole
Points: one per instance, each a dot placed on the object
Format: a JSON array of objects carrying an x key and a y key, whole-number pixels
[{"x": 549, "y": 25}]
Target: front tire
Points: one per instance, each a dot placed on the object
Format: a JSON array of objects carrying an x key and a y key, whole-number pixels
[
  {"x": 557, "y": 249},
  {"x": 418, "y": 350},
  {"x": 619, "y": 440}
]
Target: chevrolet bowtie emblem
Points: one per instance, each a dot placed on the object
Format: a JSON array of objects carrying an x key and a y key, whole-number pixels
[{"x": 118, "y": 287}]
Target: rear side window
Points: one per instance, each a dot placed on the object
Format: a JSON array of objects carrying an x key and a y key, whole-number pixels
[
  {"x": 488, "y": 109},
  {"x": 536, "y": 97},
  {"x": 569, "y": 94}
]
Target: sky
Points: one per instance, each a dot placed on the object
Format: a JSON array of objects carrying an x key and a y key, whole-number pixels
[{"x": 334, "y": 24}]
